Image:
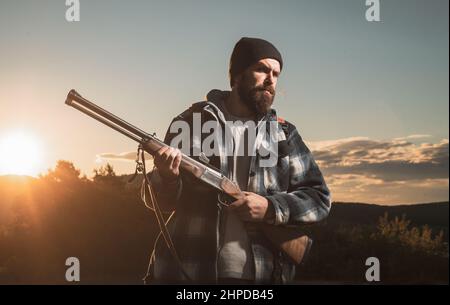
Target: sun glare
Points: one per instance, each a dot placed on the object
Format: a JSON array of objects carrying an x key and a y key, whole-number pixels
[{"x": 20, "y": 154}]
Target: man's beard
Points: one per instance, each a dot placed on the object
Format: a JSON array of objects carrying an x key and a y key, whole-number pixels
[{"x": 256, "y": 98}]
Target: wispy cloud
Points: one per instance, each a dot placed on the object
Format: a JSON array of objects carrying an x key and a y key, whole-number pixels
[
  {"x": 125, "y": 156},
  {"x": 319, "y": 145},
  {"x": 413, "y": 137}
]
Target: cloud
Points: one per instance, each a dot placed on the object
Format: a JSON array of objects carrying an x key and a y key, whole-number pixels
[
  {"x": 394, "y": 160},
  {"x": 359, "y": 188},
  {"x": 125, "y": 156},
  {"x": 389, "y": 171},
  {"x": 318, "y": 145},
  {"x": 413, "y": 137}
]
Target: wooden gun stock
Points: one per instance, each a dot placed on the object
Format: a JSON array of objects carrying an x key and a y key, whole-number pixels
[{"x": 294, "y": 243}]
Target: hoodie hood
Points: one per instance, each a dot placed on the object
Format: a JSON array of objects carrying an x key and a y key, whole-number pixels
[
  {"x": 215, "y": 95},
  {"x": 213, "y": 99}
]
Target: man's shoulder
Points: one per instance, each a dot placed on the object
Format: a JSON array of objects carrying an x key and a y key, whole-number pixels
[
  {"x": 195, "y": 107},
  {"x": 288, "y": 127}
]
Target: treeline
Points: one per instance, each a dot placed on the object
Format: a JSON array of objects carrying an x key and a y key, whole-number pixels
[
  {"x": 407, "y": 254},
  {"x": 103, "y": 223}
]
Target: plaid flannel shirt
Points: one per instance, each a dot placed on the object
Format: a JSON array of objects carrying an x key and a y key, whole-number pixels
[{"x": 295, "y": 187}]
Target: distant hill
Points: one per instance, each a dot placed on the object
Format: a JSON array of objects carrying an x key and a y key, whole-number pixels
[{"x": 434, "y": 214}]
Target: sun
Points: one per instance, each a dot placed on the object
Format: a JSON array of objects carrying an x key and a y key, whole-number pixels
[{"x": 20, "y": 154}]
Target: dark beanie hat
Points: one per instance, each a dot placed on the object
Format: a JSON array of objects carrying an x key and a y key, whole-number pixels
[{"x": 248, "y": 51}]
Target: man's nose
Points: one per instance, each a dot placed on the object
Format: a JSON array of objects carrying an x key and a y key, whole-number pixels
[{"x": 269, "y": 79}]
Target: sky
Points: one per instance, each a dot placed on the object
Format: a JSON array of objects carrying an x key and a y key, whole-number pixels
[{"x": 370, "y": 99}]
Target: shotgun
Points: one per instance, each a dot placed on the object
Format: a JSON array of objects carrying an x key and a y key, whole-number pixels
[{"x": 290, "y": 240}]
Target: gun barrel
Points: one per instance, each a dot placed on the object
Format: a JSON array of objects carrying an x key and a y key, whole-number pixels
[{"x": 75, "y": 100}]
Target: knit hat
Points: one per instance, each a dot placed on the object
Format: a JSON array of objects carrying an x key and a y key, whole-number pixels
[{"x": 248, "y": 51}]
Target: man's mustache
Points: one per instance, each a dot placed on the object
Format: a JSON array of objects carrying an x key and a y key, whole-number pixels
[{"x": 262, "y": 88}]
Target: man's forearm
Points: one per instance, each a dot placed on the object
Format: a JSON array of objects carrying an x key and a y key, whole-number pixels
[{"x": 302, "y": 206}]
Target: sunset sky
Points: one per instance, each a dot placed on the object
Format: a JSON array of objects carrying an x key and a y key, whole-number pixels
[{"x": 370, "y": 99}]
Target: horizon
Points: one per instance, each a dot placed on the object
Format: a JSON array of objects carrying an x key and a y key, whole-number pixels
[{"x": 13, "y": 176}]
